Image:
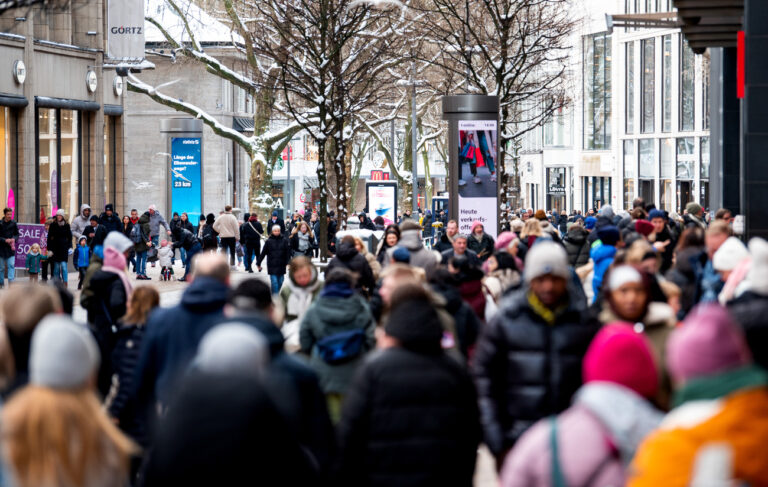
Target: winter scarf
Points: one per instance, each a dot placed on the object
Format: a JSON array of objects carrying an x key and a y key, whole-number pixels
[
  {"x": 720, "y": 385},
  {"x": 548, "y": 315},
  {"x": 303, "y": 241},
  {"x": 114, "y": 262},
  {"x": 627, "y": 416}
]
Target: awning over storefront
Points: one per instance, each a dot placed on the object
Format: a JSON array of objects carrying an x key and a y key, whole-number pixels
[
  {"x": 15, "y": 101},
  {"x": 113, "y": 110},
  {"x": 47, "y": 102},
  {"x": 242, "y": 124}
]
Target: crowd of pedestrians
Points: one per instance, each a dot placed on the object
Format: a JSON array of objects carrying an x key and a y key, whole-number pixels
[{"x": 613, "y": 348}]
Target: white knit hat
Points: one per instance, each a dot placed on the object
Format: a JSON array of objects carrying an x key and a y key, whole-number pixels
[
  {"x": 63, "y": 354},
  {"x": 233, "y": 347},
  {"x": 61, "y": 212},
  {"x": 730, "y": 253},
  {"x": 546, "y": 257},
  {"x": 757, "y": 278},
  {"x": 118, "y": 241}
]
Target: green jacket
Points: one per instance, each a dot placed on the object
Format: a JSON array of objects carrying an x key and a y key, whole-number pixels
[
  {"x": 32, "y": 263},
  {"x": 328, "y": 316}
]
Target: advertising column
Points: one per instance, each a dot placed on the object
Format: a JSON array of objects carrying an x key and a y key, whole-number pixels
[
  {"x": 186, "y": 187},
  {"x": 478, "y": 189}
]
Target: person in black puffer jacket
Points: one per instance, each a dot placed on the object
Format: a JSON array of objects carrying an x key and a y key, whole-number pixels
[
  {"x": 365, "y": 222},
  {"x": 349, "y": 258},
  {"x": 277, "y": 250},
  {"x": 110, "y": 219},
  {"x": 480, "y": 242},
  {"x": 411, "y": 418},
  {"x": 125, "y": 355},
  {"x": 186, "y": 241},
  {"x": 251, "y": 232},
  {"x": 527, "y": 363},
  {"x": 576, "y": 245}
]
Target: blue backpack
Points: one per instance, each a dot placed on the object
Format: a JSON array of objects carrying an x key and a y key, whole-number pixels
[{"x": 341, "y": 347}]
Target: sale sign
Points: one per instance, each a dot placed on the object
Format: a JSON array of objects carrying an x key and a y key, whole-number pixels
[{"x": 30, "y": 233}]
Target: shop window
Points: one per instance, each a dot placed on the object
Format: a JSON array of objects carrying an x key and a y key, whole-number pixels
[
  {"x": 666, "y": 84},
  {"x": 630, "y": 89},
  {"x": 8, "y": 160},
  {"x": 647, "y": 174},
  {"x": 59, "y": 163},
  {"x": 556, "y": 189},
  {"x": 630, "y": 171},
  {"x": 110, "y": 159},
  {"x": 557, "y": 130}
]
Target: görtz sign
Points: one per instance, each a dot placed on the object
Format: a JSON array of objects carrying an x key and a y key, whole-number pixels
[{"x": 125, "y": 29}]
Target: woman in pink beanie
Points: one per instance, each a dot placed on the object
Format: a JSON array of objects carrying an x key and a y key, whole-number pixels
[{"x": 593, "y": 441}]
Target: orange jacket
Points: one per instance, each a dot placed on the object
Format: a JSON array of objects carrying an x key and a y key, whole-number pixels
[{"x": 739, "y": 420}]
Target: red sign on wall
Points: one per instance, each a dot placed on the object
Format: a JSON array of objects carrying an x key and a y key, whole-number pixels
[{"x": 377, "y": 175}]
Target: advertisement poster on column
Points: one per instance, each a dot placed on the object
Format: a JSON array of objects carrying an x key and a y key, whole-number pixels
[
  {"x": 186, "y": 188},
  {"x": 382, "y": 201},
  {"x": 478, "y": 189}
]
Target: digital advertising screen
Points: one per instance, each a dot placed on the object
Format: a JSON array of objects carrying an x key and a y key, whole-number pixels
[
  {"x": 186, "y": 184},
  {"x": 478, "y": 187},
  {"x": 382, "y": 201}
]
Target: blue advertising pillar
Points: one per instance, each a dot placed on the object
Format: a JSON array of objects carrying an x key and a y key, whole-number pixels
[{"x": 185, "y": 167}]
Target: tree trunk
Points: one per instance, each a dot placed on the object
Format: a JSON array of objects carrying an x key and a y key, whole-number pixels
[
  {"x": 339, "y": 152},
  {"x": 322, "y": 214}
]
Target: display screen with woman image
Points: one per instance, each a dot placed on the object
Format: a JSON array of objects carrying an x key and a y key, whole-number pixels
[{"x": 478, "y": 190}]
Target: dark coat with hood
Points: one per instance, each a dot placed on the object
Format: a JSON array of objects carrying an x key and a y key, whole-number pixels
[
  {"x": 410, "y": 419},
  {"x": 366, "y": 223},
  {"x": 602, "y": 221},
  {"x": 687, "y": 274},
  {"x": 526, "y": 369},
  {"x": 59, "y": 241},
  {"x": 123, "y": 360},
  {"x": 297, "y": 395},
  {"x": 144, "y": 223},
  {"x": 349, "y": 258},
  {"x": 576, "y": 245},
  {"x": 171, "y": 341},
  {"x": 443, "y": 244},
  {"x": 250, "y": 234},
  {"x": 184, "y": 238},
  {"x": 483, "y": 248},
  {"x": 749, "y": 311},
  {"x": 466, "y": 321},
  {"x": 105, "y": 308},
  {"x": 111, "y": 223},
  {"x": 270, "y": 223},
  {"x": 7, "y": 230},
  {"x": 669, "y": 251},
  {"x": 236, "y": 414},
  {"x": 331, "y": 314},
  {"x": 277, "y": 250}
]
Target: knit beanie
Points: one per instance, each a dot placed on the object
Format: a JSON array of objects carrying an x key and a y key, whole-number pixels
[
  {"x": 656, "y": 214},
  {"x": 589, "y": 222},
  {"x": 730, "y": 253},
  {"x": 61, "y": 212},
  {"x": 416, "y": 325},
  {"x": 504, "y": 239},
  {"x": 546, "y": 257},
  {"x": 63, "y": 355},
  {"x": 402, "y": 255},
  {"x": 707, "y": 343},
  {"x": 118, "y": 241},
  {"x": 94, "y": 218},
  {"x": 540, "y": 215},
  {"x": 607, "y": 211},
  {"x": 643, "y": 227},
  {"x": 609, "y": 235},
  {"x": 620, "y": 355},
  {"x": 233, "y": 348},
  {"x": 475, "y": 224},
  {"x": 409, "y": 225}
]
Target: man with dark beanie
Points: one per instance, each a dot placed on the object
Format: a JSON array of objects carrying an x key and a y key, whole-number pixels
[{"x": 426, "y": 427}]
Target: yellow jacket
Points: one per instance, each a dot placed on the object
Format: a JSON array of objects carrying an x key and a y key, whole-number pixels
[{"x": 739, "y": 420}]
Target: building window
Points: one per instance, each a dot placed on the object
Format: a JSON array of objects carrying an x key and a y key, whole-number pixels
[
  {"x": 630, "y": 171},
  {"x": 557, "y": 130},
  {"x": 597, "y": 91},
  {"x": 110, "y": 159},
  {"x": 687, "y": 87},
  {"x": 666, "y": 173},
  {"x": 597, "y": 192},
  {"x": 666, "y": 84},
  {"x": 647, "y": 159},
  {"x": 630, "y": 91},
  {"x": 704, "y": 173},
  {"x": 685, "y": 158},
  {"x": 648, "y": 83},
  {"x": 705, "y": 66},
  {"x": 58, "y": 164}
]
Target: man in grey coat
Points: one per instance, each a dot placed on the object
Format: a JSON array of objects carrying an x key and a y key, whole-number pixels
[
  {"x": 81, "y": 221},
  {"x": 156, "y": 220},
  {"x": 410, "y": 238}
]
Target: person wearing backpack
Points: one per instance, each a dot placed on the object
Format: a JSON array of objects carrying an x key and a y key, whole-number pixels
[
  {"x": 209, "y": 235},
  {"x": 336, "y": 332},
  {"x": 251, "y": 232},
  {"x": 142, "y": 243}
]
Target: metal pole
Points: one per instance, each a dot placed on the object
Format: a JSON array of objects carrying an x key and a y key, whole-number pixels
[
  {"x": 392, "y": 142},
  {"x": 289, "y": 201},
  {"x": 414, "y": 139}
]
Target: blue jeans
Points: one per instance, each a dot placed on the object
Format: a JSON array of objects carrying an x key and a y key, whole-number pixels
[
  {"x": 60, "y": 271},
  {"x": 188, "y": 265},
  {"x": 141, "y": 263},
  {"x": 10, "y": 264},
  {"x": 183, "y": 254},
  {"x": 277, "y": 282}
]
